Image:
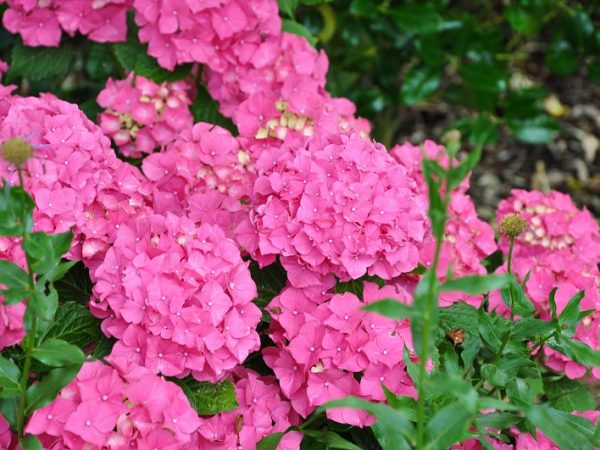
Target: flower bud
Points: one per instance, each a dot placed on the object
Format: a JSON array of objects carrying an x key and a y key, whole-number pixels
[
  {"x": 16, "y": 151},
  {"x": 512, "y": 225}
]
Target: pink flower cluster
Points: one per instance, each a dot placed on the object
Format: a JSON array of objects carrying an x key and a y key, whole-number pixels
[
  {"x": 142, "y": 115},
  {"x": 74, "y": 177},
  {"x": 340, "y": 205},
  {"x": 324, "y": 339},
  {"x": 262, "y": 411},
  {"x": 203, "y": 174},
  {"x": 102, "y": 408},
  {"x": 559, "y": 248},
  {"x": 11, "y": 316},
  {"x": 178, "y": 297},
  {"x": 42, "y": 22},
  {"x": 468, "y": 239}
]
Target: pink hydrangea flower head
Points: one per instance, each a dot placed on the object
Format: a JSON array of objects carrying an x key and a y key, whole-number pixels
[
  {"x": 323, "y": 340},
  {"x": 102, "y": 408},
  {"x": 11, "y": 316},
  {"x": 141, "y": 116},
  {"x": 178, "y": 297},
  {"x": 338, "y": 205}
]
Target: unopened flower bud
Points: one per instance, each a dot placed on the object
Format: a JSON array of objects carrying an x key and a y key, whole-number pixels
[
  {"x": 512, "y": 225},
  {"x": 16, "y": 151}
]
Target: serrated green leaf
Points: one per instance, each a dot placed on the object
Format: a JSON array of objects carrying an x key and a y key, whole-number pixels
[
  {"x": 494, "y": 375},
  {"x": 208, "y": 398},
  {"x": 75, "y": 286},
  {"x": 76, "y": 325},
  {"x": 35, "y": 63},
  {"x": 16, "y": 281}
]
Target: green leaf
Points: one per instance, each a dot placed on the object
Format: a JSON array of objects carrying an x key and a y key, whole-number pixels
[
  {"x": 390, "y": 308},
  {"x": 10, "y": 377},
  {"x": 535, "y": 130},
  {"x": 269, "y": 281},
  {"x": 453, "y": 386},
  {"x": 417, "y": 18},
  {"x": 31, "y": 442},
  {"x": 9, "y": 410},
  {"x": 45, "y": 250},
  {"x": 205, "y": 109},
  {"x": 58, "y": 353},
  {"x": 448, "y": 426},
  {"x": 270, "y": 442},
  {"x": 429, "y": 283},
  {"x": 561, "y": 57},
  {"x": 569, "y": 395},
  {"x": 476, "y": 284},
  {"x": 576, "y": 350},
  {"x": 41, "y": 394},
  {"x": 568, "y": 431},
  {"x": 331, "y": 439},
  {"x": 288, "y": 7},
  {"x": 496, "y": 421},
  {"x": 419, "y": 83},
  {"x": 532, "y": 329},
  {"x": 522, "y": 21},
  {"x": 407, "y": 405},
  {"x": 479, "y": 130},
  {"x": 75, "y": 286},
  {"x": 484, "y": 77},
  {"x": 15, "y": 206},
  {"x": 593, "y": 70},
  {"x": 514, "y": 297},
  {"x": 76, "y": 325},
  {"x": 519, "y": 392},
  {"x": 298, "y": 29},
  {"x": 491, "y": 329},
  {"x": 569, "y": 317},
  {"x": 459, "y": 316},
  {"x": 35, "y": 63},
  {"x": 392, "y": 427},
  {"x": 43, "y": 303},
  {"x": 494, "y": 375},
  {"x": 208, "y": 398},
  {"x": 16, "y": 280}
]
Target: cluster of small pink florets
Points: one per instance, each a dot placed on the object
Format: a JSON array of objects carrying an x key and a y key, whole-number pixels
[
  {"x": 341, "y": 205},
  {"x": 324, "y": 339},
  {"x": 74, "y": 176},
  {"x": 42, "y": 22},
  {"x": 262, "y": 411},
  {"x": 560, "y": 248},
  {"x": 102, "y": 408},
  {"x": 178, "y": 297},
  {"x": 142, "y": 116}
]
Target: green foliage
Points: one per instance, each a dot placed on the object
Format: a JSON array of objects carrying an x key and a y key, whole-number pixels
[
  {"x": 208, "y": 398},
  {"x": 35, "y": 63},
  {"x": 457, "y": 53}
]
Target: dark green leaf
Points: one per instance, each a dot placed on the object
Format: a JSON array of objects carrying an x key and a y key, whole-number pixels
[
  {"x": 476, "y": 284},
  {"x": 16, "y": 207},
  {"x": 31, "y": 442},
  {"x": 298, "y": 29},
  {"x": 535, "y": 130},
  {"x": 522, "y": 20},
  {"x": 270, "y": 442},
  {"x": 417, "y": 18},
  {"x": 407, "y": 405},
  {"x": 561, "y": 58},
  {"x": 35, "y": 63},
  {"x": 484, "y": 77},
  {"x": 419, "y": 83},
  {"x": 58, "y": 353},
  {"x": 494, "y": 375},
  {"x": 514, "y": 297},
  {"x": 577, "y": 351},
  {"x": 75, "y": 286},
  {"x": 569, "y": 395},
  {"x": 569, "y": 317},
  {"x": 448, "y": 426},
  {"x": 568, "y": 431},
  {"x": 16, "y": 280},
  {"x": 519, "y": 392},
  {"x": 41, "y": 394},
  {"x": 459, "y": 316},
  {"x": 491, "y": 329},
  {"x": 331, "y": 440},
  {"x": 390, "y": 308},
  {"x": 497, "y": 421},
  {"x": 9, "y": 410},
  {"x": 45, "y": 250},
  {"x": 10, "y": 377},
  {"x": 593, "y": 70},
  {"x": 208, "y": 398},
  {"x": 532, "y": 329},
  {"x": 75, "y": 324},
  {"x": 288, "y": 7}
]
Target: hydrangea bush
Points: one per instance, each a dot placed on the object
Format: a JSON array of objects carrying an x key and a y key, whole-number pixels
[{"x": 212, "y": 253}]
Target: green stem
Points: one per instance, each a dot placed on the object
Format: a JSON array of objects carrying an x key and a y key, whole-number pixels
[
  {"x": 424, "y": 356},
  {"x": 25, "y": 377},
  {"x": 512, "y": 301}
]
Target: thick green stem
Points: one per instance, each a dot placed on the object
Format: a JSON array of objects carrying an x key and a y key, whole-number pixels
[
  {"x": 25, "y": 377},
  {"x": 512, "y": 300},
  {"x": 424, "y": 356}
]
